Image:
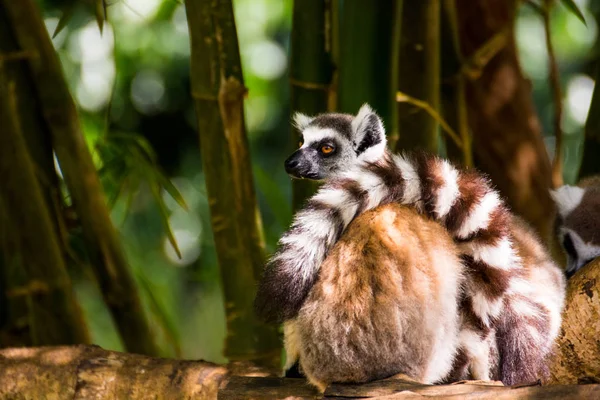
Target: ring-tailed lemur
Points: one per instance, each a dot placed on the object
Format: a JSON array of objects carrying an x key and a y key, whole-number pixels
[
  {"x": 577, "y": 224},
  {"x": 366, "y": 176}
]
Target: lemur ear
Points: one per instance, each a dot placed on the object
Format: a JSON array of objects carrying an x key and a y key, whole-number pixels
[
  {"x": 301, "y": 121},
  {"x": 567, "y": 198},
  {"x": 368, "y": 134}
]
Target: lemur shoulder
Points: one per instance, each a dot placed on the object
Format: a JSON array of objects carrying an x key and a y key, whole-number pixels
[{"x": 500, "y": 309}]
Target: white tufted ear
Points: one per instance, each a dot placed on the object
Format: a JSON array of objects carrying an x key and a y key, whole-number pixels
[
  {"x": 364, "y": 111},
  {"x": 368, "y": 134},
  {"x": 301, "y": 121},
  {"x": 567, "y": 198}
]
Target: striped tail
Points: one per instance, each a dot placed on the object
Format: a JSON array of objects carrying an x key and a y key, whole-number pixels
[{"x": 463, "y": 201}]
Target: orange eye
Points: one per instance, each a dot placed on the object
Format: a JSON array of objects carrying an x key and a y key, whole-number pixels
[
  {"x": 300, "y": 143},
  {"x": 326, "y": 149}
]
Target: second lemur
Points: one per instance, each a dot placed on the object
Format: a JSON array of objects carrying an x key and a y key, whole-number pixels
[{"x": 577, "y": 225}]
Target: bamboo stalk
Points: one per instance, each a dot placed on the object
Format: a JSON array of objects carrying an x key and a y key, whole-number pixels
[
  {"x": 419, "y": 75},
  {"x": 591, "y": 145},
  {"x": 218, "y": 90},
  {"x": 29, "y": 244},
  {"x": 557, "y": 170},
  {"x": 60, "y": 114},
  {"x": 311, "y": 71},
  {"x": 452, "y": 93},
  {"x": 368, "y": 54},
  {"x": 13, "y": 331}
]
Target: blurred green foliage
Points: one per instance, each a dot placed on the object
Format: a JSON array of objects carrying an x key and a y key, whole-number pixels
[{"x": 132, "y": 86}]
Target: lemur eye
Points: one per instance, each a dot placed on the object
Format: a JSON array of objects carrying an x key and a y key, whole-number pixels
[
  {"x": 300, "y": 143},
  {"x": 327, "y": 149}
]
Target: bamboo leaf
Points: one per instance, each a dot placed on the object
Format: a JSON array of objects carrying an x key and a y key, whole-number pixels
[
  {"x": 64, "y": 19},
  {"x": 166, "y": 184},
  {"x": 535, "y": 7},
  {"x": 574, "y": 9},
  {"x": 164, "y": 217},
  {"x": 100, "y": 11},
  {"x": 160, "y": 313}
]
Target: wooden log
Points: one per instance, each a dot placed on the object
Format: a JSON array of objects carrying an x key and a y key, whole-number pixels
[
  {"x": 90, "y": 372},
  {"x": 578, "y": 356}
]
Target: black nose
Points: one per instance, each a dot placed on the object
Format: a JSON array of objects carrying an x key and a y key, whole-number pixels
[{"x": 291, "y": 164}]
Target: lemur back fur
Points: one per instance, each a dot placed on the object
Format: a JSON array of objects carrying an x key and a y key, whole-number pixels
[
  {"x": 501, "y": 311},
  {"x": 385, "y": 302},
  {"x": 577, "y": 226}
]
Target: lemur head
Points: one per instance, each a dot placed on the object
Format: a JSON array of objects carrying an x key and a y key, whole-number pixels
[
  {"x": 333, "y": 143},
  {"x": 578, "y": 222}
]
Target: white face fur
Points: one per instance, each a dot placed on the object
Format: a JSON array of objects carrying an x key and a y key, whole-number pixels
[
  {"x": 332, "y": 143},
  {"x": 578, "y": 224}
]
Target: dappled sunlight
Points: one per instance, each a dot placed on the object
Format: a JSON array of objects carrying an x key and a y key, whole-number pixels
[
  {"x": 135, "y": 11},
  {"x": 532, "y": 47},
  {"x": 60, "y": 355},
  {"x": 189, "y": 245},
  {"x": 502, "y": 89},
  {"x": 148, "y": 92},
  {"x": 94, "y": 52},
  {"x": 267, "y": 59},
  {"x": 579, "y": 97},
  {"x": 524, "y": 166}
]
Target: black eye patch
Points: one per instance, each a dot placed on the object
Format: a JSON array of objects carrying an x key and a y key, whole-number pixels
[
  {"x": 325, "y": 142},
  {"x": 569, "y": 246}
]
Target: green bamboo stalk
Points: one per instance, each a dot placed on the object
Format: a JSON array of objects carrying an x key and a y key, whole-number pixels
[
  {"x": 311, "y": 71},
  {"x": 419, "y": 75},
  {"x": 29, "y": 243},
  {"x": 39, "y": 146},
  {"x": 60, "y": 114},
  {"x": 591, "y": 143},
  {"x": 218, "y": 91},
  {"x": 368, "y": 58},
  {"x": 452, "y": 93}
]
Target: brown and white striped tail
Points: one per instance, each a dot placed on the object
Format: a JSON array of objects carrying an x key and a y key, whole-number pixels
[{"x": 463, "y": 201}]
